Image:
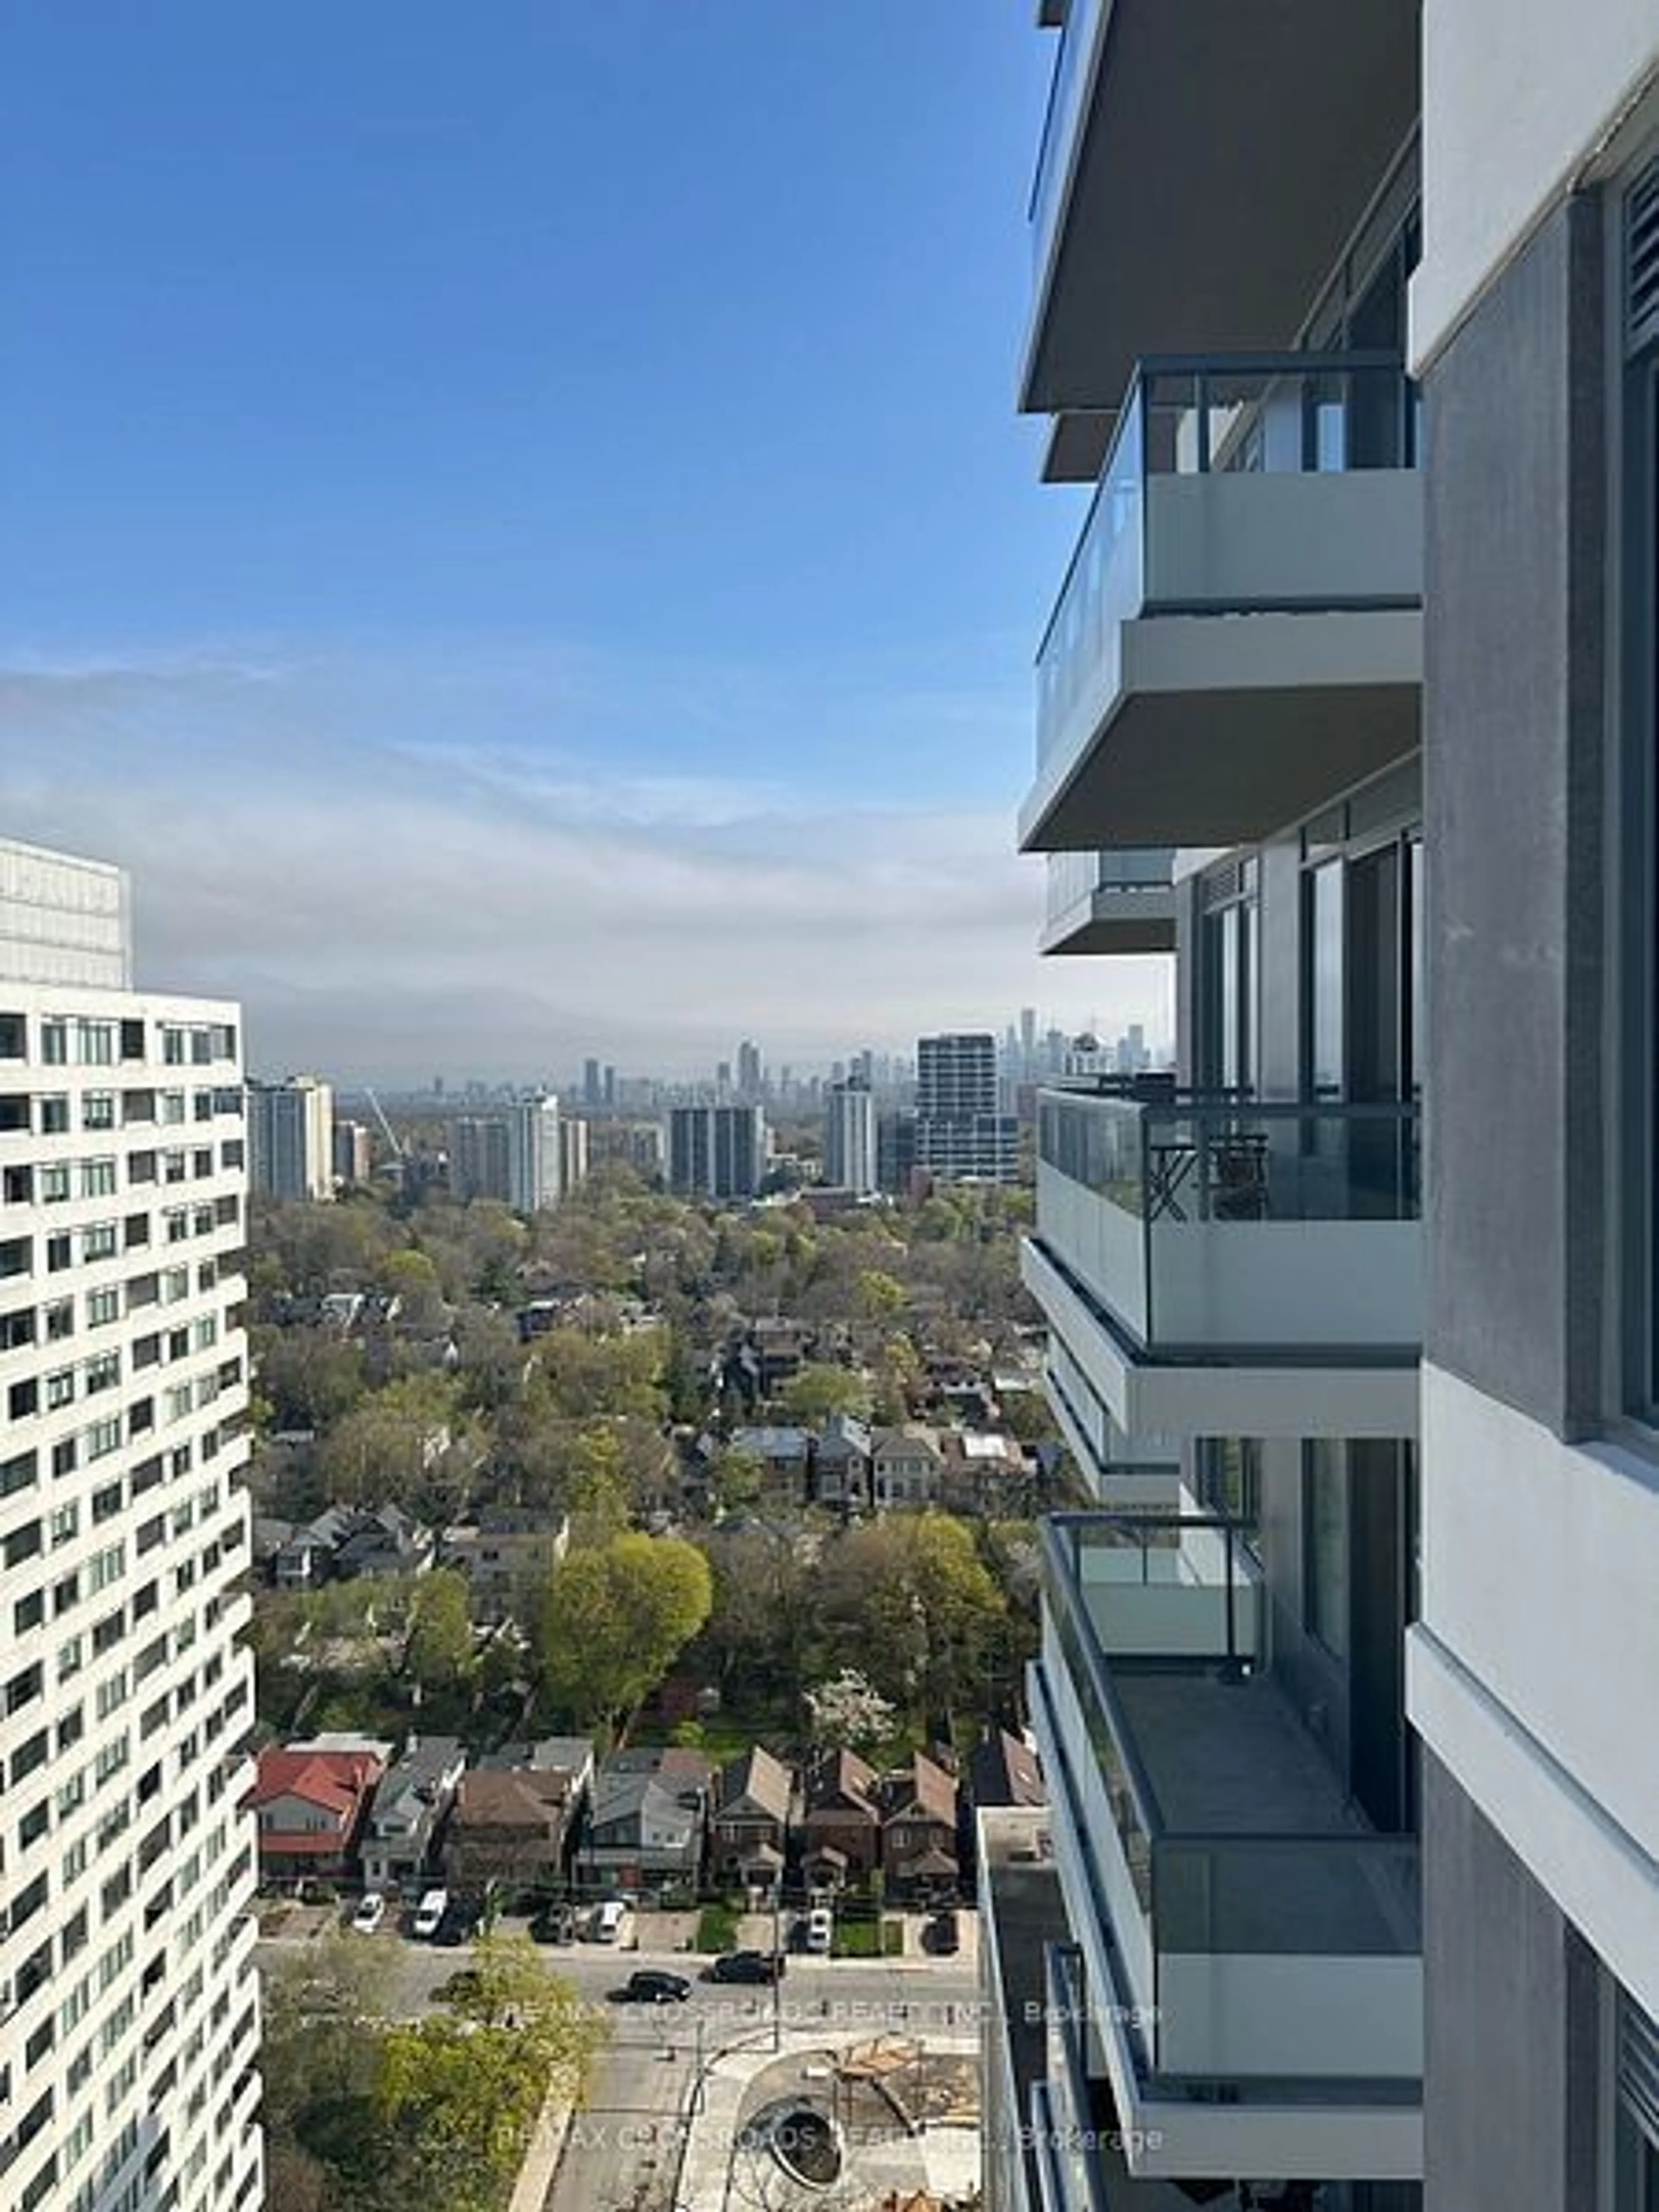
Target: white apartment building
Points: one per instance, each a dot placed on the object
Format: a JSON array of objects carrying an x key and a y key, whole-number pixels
[
  {"x": 129, "y": 2010},
  {"x": 290, "y": 1134},
  {"x": 512, "y": 1152},
  {"x": 849, "y": 1137}
]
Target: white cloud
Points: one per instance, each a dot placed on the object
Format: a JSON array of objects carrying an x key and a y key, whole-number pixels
[{"x": 445, "y": 872}]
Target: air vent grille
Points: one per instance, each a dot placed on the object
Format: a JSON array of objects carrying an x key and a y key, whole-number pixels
[
  {"x": 1641, "y": 261},
  {"x": 1639, "y": 2067}
]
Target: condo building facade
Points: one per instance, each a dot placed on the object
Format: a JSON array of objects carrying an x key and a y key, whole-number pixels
[
  {"x": 715, "y": 1151},
  {"x": 960, "y": 1132},
  {"x": 129, "y": 2010},
  {"x": 514, "y": 1154},
  {"x": 290, "y": 1133},
  {"x": 1348, "y": 702},
  {"x": 849, "y": 1137}
]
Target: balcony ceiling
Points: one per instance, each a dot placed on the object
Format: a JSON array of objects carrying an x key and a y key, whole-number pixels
[
  {"x": 1077, "y": 445},
  {"x": 1226, "y": 731},
  {"x": 1111, "y": 922},
  {"x": 1225, "y": 158}
]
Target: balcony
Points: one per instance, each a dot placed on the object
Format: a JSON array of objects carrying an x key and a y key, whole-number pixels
[
  {"x": 1211, "y": 1268},
  {"x": 1120, "y": 901},
  {"x": 1171, "y": 205},
  {"x": 1277, "y": 487},
  {"x": 1253, "y": 1948},
  {"x": 1116, "y": 1469}
]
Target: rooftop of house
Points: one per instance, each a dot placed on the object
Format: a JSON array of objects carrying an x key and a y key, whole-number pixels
[
  {"x": 836, "y": 1774},
  {"x": 913, "y": 1440},
  {"x": 755, "y": 1774},
  {"x": 773, "y": 1442},
  {"x": 333, "y": 1781},
  {"x": 920, "y": 1785},
  {"x": 521, "y": 1796},
  {"x": 677, "y": 1767},
  {"x": 624, "y": 1796},
  {"x": 1004, "y": 1771}
]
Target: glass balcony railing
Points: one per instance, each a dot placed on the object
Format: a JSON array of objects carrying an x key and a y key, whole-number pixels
[
  {"x": 1173, "y": 1214},
  {"x": 1263, "y": 1931},
  {"x": 1073, "y": 64},
  {"x": 1237, "y": 417},
  {"x": 1158, "y": 1585},
  {"x": 1076, "y": 878}
]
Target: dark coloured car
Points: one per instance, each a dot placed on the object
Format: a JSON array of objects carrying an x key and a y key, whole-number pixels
[
  {"x": 458, "y": 1926},
  {"x": 653, "y": 1985},
  {"x": 554, "y": 1924},
  {"x": 942, "y": 1933},
  {"x": 748, "y": 1967}
]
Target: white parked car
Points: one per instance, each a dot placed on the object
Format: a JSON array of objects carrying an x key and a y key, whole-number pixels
[
  {"x": 429, "y": 1913},
  {"x": 369, "y": 1914},
  {"x": 820, "y": 1929}
]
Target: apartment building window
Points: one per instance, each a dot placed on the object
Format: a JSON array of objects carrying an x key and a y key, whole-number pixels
[
  {"x": 98, "y": 1111},
  {"x": 55, "y": 1114},
  {"x": 95, "y": 1043},
  {"x": 1230, "y": 1023},
  {"x": 54, "y": 1043},
  {"x": 1230, "y": 1479},
  {"x": 1325, "y": 1038},
  {"x": 13, "y": 1037},
  {"x": 1325, "y": 1543}
]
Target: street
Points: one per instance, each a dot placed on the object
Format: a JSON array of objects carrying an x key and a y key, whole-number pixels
[{"x": 623, "y": 2150}]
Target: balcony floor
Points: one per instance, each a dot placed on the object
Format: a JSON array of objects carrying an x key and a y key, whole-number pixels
[{"x": 1235, "y": 1758}]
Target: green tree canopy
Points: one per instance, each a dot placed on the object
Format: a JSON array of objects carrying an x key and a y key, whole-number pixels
[
  {"x": 820, "y": 1390},
  {"x": 615, "y": 1619}
]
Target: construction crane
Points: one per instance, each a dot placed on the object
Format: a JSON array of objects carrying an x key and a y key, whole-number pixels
[{"x": 392, "y": 1138}]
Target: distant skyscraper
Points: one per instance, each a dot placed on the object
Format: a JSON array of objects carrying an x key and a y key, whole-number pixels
[
  {"x": 511, "y": 1154},
  {"x": 1028, "y": 1021},
  {"x": 573, "y": 1154},
  {"x": 959, "y": 1131},
  {"x": 592, "y": 1091},
  {"x": 849, "y": 1137},
  {"x": 895, "y": 1153},
  {"x": 352, "y": 1157},
  {"x": 717, "y": 1152},
  {"x": 290, "y": 1135},
  {"x": 749, "y": 1072}
]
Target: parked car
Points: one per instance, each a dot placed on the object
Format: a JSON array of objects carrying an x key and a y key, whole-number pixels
[
  {"x": 819, "y": 1930},
  {"x": 653, "y": 1985},
  {"x": 942, "y": 1933},
  {"x": 429, "y": 1913},
  {"x": 606, "y": 1925},
  {"x": 459, "y": 1924},
  {"x": 554, "y": 1924},
  {"x": 748, "y": 1967},
  {"x": 370, "y": 1913}
]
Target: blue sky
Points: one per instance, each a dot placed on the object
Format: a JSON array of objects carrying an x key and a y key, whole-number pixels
[{"x": 512, "y": 521}]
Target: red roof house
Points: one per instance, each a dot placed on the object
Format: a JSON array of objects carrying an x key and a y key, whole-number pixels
[{"x": 309, "y": 1806}]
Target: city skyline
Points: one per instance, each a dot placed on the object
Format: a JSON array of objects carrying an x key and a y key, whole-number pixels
[{"x": 449, "y": 696}]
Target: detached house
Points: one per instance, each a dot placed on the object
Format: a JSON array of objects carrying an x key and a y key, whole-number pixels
[
  {"x": 650, "y": 1809},
  {"x": 308, "y": 1805},
  {"x": 918, "y": 1807},
  {"x": 905, "y": 1466},
  {"x": 748, "y": 1828},
  {"x": 408, "y": 1807},
  {"x": 841, "y": 1826},
  {"x": 841, "y": 1462}
]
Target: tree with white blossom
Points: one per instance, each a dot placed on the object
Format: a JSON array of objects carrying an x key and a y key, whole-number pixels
[{"x": 848, "y": 1711}]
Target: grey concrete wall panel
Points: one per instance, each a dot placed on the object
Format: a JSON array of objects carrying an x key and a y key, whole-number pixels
[
  {"x": 1511, "y": 2025},
  {"x": 1513, "y": 743}
]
